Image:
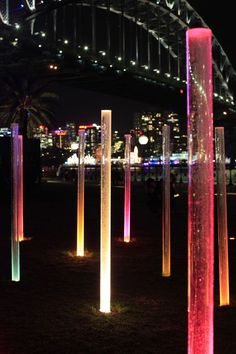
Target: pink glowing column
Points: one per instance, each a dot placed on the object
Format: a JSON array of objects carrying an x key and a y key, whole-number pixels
[
  {"x": 222, "y": 217},
  {"x": 80, "y": 195},
  {"x": 200, "y": 192},
  {"x": 15, "y": 247},
  {"x": 166, "y": 242},
  {"x": 105, "y": 253},
  {"x": 20, "y": 191},
  {"x": 127, "y": 188}
]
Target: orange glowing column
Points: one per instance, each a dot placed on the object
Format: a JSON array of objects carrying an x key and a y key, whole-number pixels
[
  {"x": 222, "y": 217},
  {"x": 127, "y": 188},
  {"x": 200, "y": 192},
  {"x": 15, "y": 247},
  {"x": 80, "y": 195},
  {"x": 105, "y": 256},
  {"x": 166, "y": 241},
  {"x": 20, "y": 192}
]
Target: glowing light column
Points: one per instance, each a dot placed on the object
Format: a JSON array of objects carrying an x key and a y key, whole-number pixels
[
  {"x": 200, "y": 192},
  {"x": 20, "y": 191},
  {"x": 222, "y": 217},
  {"x": 166, "y": 242},
  {"x": 80, "y": 195},
  {"x": 127, "y": 188},
  {"x": 15, "y": 247},
  {"x": 105, "y": 256}
]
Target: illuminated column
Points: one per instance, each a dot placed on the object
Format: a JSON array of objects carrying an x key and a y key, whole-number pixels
[
  {"x": 15, "y": 247},
  {"x": 105, "y": 254},
  {"x": 80, "y": 195},
  {"x": 127, "y": 188},
  {"x": 20, "y": 191},
  {"x": 222, "y": 217},
  {"x": 200, "y": 192},
  {"x": 166, "y": 242}
]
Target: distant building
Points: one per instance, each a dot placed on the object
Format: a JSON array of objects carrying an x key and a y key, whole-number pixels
[
  {"x": 92, "y": 137},
  {"x": 41, "y": 132},
  {"x": 117, "y": 145},
  {"x": 150, "y": 124},
  {"x": 59, "y": 138},
  {"x": 5, "y": 132},
  {"x": 72, "y": 133}
]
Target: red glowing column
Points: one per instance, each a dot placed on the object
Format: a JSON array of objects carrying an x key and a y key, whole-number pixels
[
  {"x": 200, "y": 192},
  {"x": 20, "y": 191},
  {"x": 222, "y": 217},
  {"x": 15, "y": 247},
  {"x": 166, "y": 242},
  {"x": 127, "y": 188},
  {"x": 80, "y": 195}
]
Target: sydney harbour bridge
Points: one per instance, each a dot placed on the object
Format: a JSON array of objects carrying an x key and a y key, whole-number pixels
[{"x": 140, "y": 40}]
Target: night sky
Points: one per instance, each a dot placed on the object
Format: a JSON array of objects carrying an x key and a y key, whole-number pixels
[{"x": 85, "y": 106}]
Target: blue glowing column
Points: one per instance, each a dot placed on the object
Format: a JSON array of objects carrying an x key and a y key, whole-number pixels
[
  {"x": 105, "y": 243},
  {"x": 80, "y": 195},
  {"x": 15, "y": 247},
  {"x": 127, "y": 188},
  {"x": 166, "y": 241},
  {"x": 222, "y": 217},
  {"x": 200, "y": 192}
]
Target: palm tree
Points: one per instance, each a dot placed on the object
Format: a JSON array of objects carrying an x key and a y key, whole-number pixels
[{"x": 26, "y": 101}]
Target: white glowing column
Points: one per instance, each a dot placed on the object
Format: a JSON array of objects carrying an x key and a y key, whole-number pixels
[
  {"x": 200, "y": 192},
  {"x": 80, "y": 195},
  {"x": 20, "y": 191},
  {"x": 166, "y": 241},
  {"x": 127, "y": 188},
  {"x": 15, "y": 247},
  {"x": 105, "y": 261},
  {"x": 222, "y": 217}
]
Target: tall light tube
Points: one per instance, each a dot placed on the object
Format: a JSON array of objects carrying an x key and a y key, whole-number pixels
[
  {"x": 20, "y": 191},
  {"x": 15, "y": 247},
  {"x": 105, "y": 253},
  {"x": 222, "y": 217},
  {"x": 166, "y": 241},
  {"x": 200, "y": 191},
  {"x": 80, "y": 195},
  {"x": 127, "y": 188}
]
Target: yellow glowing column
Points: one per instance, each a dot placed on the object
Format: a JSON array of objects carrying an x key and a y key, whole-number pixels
[
  {"x": 20, "y": 191},
  {"x": 222, "y": 217},
  {"x": 166, "y": 243},
  {"x": 80, "y": 195},
  {"x": 105, "y": 256},
  {"x": 15, "y": 247}
]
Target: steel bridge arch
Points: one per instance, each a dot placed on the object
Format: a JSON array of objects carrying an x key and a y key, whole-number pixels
[{"x": 164, "y": 20}]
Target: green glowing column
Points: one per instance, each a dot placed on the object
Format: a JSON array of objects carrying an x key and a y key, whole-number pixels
[
  {"x": 80, "y": 195},
  {"x": 105, "y": 253},
  {"x": 166, "y": 241},
  {"x": 15, "y": 247},
  {"x": 222, "y": 217}
]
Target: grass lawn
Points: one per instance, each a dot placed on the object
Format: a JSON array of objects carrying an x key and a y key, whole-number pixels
[{"x": 55, "y": 306}]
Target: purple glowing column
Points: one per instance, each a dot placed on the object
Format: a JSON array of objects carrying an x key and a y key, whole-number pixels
[
  {"x": 166, "y": 242},
  {"x": 222, "y": 217},
  {"x": 105, "y": 244},
  {"x": 20, "y": 191},
  {"x": 80, "y": 195},
  {"x": 200, "y": 192},
  {"x": 15, "y": 247},
  {"x": 127, "y": 189}
]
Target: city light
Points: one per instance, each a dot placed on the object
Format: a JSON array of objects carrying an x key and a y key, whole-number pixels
[
  {"x": 200, "y": 192},
  {"x": 105, "y": 243}
]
